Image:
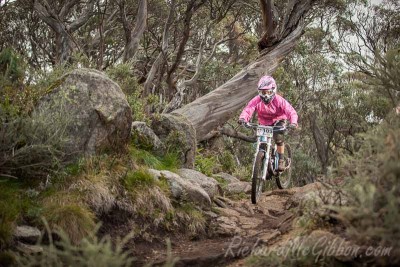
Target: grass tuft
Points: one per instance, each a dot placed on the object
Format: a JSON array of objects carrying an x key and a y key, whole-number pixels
[
  {"x": 169, "y": 162},
  {"x": 75, "y": 220}
]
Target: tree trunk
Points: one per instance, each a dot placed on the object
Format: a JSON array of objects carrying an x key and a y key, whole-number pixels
[
  {"x": 134, "y": 36},
  {"x": 320, "y": 142},
  {"x": 214, "y": 109}
]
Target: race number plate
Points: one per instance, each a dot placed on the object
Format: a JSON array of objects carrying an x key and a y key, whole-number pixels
[{"x": 264, "y": 132}]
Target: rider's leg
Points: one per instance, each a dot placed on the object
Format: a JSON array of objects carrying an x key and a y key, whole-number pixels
[{"x": 280, "y": 148}]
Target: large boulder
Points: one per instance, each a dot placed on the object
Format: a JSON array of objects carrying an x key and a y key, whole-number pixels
[
  {"x": 96, "y": 115},
  {"x": 183, "y": 189},
  {"x": 210, "y": 185},
  {"x": 178, "y": 135}
]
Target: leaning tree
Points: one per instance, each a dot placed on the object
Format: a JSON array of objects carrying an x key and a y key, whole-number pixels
[{"x": 194, "y": 121}]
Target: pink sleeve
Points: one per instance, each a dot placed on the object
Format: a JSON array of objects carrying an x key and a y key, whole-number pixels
[
  {"x": 249, "y": 109},
  {"x": 289, "y": 111}
]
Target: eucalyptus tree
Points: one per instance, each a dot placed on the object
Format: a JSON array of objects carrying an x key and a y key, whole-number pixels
[
  {"x": 368, "y": 39},
  {"x": 64, "y": 18}
]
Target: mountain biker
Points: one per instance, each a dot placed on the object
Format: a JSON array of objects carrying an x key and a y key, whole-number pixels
[{"x": 272, "y": 109}]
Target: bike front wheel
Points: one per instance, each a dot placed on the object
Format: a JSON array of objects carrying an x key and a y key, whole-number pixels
[
  {"x": 257, "y": 179},
  {"x": 284, "y": 178}
]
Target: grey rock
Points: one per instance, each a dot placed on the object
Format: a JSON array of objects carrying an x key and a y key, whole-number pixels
[
  {"x": 93, "y": 109},
  {"x": 28, "y": 249},
  {"x": 210, "y": 185},
  {"x": 183, "y": 189},
  {"x": 238, "y": 187},
  {"x": 227, "y": 177},
  {"x": 178, "y": 135},
  {"x": 27, "y": 233},
  {"x": 227, "y": 226},
  {"x": 227, "y": 212},
  {"x": 315, "y": 192},
  {"x": 146, "y": 138}
]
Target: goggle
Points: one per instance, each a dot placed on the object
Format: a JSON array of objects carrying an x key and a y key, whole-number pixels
[{"x": 266, "y": 92}]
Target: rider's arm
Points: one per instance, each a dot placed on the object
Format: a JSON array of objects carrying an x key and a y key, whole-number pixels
[
  {"x": 249, "y": 109},
  {"x": 289, "y": 111}
]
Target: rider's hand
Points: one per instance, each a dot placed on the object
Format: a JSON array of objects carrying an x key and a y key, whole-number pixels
[
  {"x": 292, "y": 126},
  {"x": 242, "y": 121}
]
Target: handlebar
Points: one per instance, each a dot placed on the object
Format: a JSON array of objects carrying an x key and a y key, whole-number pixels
[{"x": 276, "y": 128}]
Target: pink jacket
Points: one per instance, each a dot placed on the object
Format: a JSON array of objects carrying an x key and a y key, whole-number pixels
[{"x": 278, "y": 109}]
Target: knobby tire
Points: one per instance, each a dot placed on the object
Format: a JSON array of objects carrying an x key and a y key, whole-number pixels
[
  {"x": 287, "y": 174},
  {"x": 257, "y": 182}
]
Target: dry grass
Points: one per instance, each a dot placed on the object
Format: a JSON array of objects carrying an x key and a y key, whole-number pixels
[{"x": 68, "y": 212}]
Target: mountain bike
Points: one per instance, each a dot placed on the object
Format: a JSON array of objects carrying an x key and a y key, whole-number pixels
[{"x": 266, "y": 159}]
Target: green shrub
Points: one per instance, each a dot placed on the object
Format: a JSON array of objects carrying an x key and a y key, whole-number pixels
[
  {"x": 374, "y": 189},
  {"x": 32, "y": 147},
  {"x": 124, "y": 76},
  {"x": 33, "y": 140},
  {"x": 227, "y": 161},
  {"x": 12, "y": 68},
  {"x": 207, "y": 164}
]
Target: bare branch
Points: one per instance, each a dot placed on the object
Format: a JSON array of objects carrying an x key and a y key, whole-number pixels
[{"x": 76, "y": 24}]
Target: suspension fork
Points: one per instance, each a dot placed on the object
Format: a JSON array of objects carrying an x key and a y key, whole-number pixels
[
  {"x": 266, "y": 158},
  {"x": 255, "y": 154}
]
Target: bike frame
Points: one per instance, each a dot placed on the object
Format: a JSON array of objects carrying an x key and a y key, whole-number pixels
[{"x": 265, "y": 136}]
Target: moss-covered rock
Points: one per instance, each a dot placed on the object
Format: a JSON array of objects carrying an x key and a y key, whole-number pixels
[{"x": 178, "y": 135}]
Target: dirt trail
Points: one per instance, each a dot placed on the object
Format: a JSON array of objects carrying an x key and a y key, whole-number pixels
[{"x": 238, "y": 227}]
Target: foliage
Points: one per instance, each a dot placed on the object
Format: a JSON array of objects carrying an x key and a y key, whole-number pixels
[
  {"x": 206, "y": 164},
  {"x": 91, "y": 251},
  {"x": 76, "y": 221},
  {"x": 373, "y": 187},
  {"x": 32, "y": 146},
  {"x": 191, "y": 218},
  {"x": 292, "y": 256},
  {"x": 123, "y": 75},
  {"x": 136, "y": 179},
  {"x": 11, "y": 69},
  {"x": 169, "y": 161},
  {"x": 14, "y": 202}
]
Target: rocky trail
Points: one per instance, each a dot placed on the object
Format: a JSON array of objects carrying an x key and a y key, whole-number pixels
[{"x": 238, "y": 228}]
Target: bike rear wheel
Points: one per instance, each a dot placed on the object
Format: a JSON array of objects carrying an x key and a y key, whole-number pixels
[
  {"x": 284, "y": 178},
  {"x": 257, "y": 183}
]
